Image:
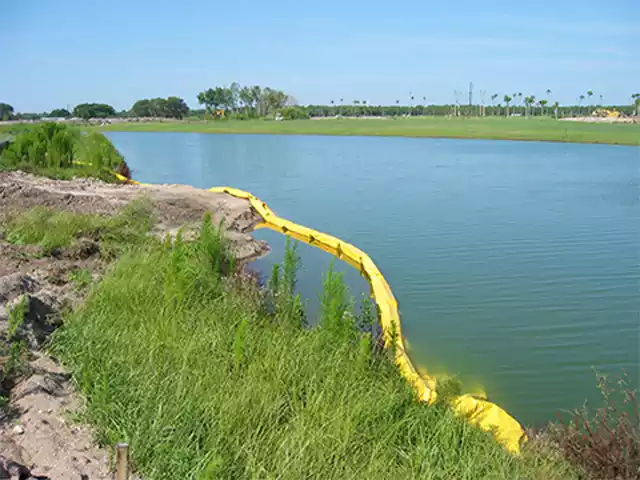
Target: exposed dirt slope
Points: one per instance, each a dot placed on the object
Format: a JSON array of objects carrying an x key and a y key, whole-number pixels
[{"x": 37, "y": 434}]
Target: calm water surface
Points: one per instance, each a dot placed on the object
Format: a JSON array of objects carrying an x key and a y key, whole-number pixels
[{"x": 516, "y": 265}]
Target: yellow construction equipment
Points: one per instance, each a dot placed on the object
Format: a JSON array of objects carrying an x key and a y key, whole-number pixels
[{"x": 604, "y": 113}]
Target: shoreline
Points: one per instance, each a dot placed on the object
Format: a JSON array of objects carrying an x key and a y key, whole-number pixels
[
  {"x": 380, "y": 135},
  {"x": 524, "y": 130}
]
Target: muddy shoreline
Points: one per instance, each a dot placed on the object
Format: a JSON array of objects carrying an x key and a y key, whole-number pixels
[{"x": 38, "y": 436}]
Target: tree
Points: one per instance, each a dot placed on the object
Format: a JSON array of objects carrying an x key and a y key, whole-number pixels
[
  {"x": 141, "y": 108},
  {"x": 580, "y": 100},
  {"x": 636, "y": 102},
  {"x": 542, "y": 104},
  {"x": 507, "y": 99},
  {"x": 59, "y": 113},
  {"x": 6, "y": 112},
  {"x": 176, "y": 107},
  {"x": 93, "y": 110},
  {"x": 527, "y": 104},
  {"x": 213, "y": 98},
  {"x": 589, "y": 94}
]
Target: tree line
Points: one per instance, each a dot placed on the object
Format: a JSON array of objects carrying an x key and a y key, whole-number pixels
[{"x": 244, "y": 102}]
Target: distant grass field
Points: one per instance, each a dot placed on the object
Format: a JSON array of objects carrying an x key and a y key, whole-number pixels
[{"x": 533, "y": 129}]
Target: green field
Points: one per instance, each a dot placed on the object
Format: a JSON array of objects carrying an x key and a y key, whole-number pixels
[{"x": 534, "y": 129}]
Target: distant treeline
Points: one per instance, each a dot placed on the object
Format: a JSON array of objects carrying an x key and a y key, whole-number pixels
[{"x": 244, "y": 102}]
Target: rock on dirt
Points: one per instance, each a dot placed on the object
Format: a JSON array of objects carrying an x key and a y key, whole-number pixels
[{"x": 45, "y": 444}]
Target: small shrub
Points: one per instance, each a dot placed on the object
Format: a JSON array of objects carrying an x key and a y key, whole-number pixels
[{"x": 604, "y": 442}]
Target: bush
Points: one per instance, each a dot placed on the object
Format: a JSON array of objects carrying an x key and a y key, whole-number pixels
[
  {"x": 604, "y": 442},
  {"x": 293, "y": 113},
  {"x": 62, "y": 151}
]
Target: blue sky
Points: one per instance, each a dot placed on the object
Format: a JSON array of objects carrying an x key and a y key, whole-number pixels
[{"x": 56, "y": 54}]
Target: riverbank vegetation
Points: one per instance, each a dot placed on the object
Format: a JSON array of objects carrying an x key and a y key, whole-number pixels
[
  {"x": 62, "y": 151},
  {"x": 207, "y": 375}
]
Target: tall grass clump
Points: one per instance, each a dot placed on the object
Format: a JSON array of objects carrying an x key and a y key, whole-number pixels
[
  {"x": 63, "y": 151},
  {"x": 207, "y": 376},
  {"x": 52, "y": 229}
]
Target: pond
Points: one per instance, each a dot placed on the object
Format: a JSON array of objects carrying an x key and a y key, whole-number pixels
[{"x": 515, "y": 264}]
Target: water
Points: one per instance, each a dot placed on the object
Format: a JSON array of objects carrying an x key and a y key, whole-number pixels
[{"x": 515, "y": 264}]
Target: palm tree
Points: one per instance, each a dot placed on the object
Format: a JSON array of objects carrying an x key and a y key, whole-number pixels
[
  {"x": 636, "y": 102},
  {"x": 555, "y": 108},
  {"x": 527, "y": 102},
  {"x": 507, "y": 99},
  {"x": 493, "y": 100},
  {"x": 397, "y": 102},
  {"x": 542, "y": 104},
  {"x": 581, "y": 99},
  {"x": 601, "y": 99},
  {"x": 589, "y": 94}
]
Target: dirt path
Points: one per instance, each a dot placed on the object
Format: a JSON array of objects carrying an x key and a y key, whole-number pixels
[{"x": 37, "y": 434}]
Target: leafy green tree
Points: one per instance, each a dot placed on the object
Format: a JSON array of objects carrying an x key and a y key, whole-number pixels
[
  {"x": 177, "y": 107},
  {"x": 141, "y": 108},
  {"x": 59, "y": 113},
  {"x": 93, "y": 110},
  {"x": 158, "y": 107},
  {"x": 6, "y": 111}
]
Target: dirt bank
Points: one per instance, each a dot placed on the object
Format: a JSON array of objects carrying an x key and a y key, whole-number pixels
[{"x": 37, "y": 433}]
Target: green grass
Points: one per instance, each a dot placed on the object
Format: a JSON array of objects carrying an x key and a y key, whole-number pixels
[
  {"x": 51, "y": 229},
  {"x": 208, "y": 376},
  {"x": 539, "y": 129},
  {"x": 62, "y": 152}
]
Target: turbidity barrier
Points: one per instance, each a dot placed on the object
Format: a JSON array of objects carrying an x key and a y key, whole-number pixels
[{"x": 479, "y": 411}]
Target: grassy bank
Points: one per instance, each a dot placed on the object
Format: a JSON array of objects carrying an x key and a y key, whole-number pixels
[
  {"x": 208, "y": 376},
  {"x": 61, "y": 151},
  {"x": 533, "y": 129}
]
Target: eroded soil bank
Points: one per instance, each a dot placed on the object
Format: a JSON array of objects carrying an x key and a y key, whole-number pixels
[{"x": 38, "y": 435}]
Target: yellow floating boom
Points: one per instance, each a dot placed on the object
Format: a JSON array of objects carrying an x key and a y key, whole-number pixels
[{"x": 479, "y": 411}]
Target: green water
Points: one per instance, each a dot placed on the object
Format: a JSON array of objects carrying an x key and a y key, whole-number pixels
[{"x": 515, "y": 264}]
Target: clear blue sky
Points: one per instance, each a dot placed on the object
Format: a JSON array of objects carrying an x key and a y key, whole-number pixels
[{"x": 59, "y": 53}]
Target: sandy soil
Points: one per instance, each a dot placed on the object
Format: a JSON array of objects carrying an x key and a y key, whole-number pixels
[
  {"x": 602, "y": 119},
  {"x": 37, "y": 434}
]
